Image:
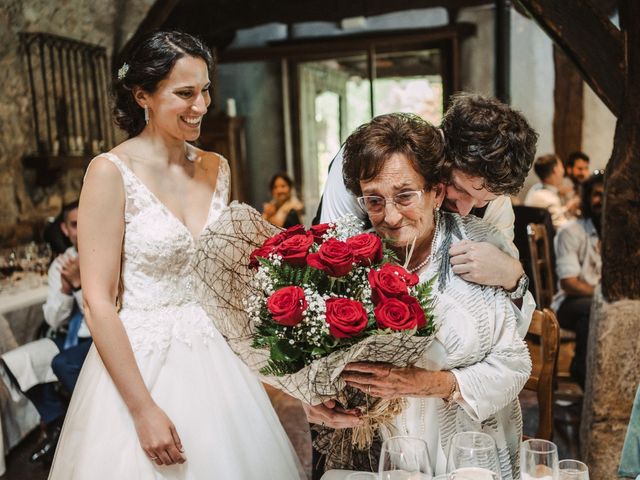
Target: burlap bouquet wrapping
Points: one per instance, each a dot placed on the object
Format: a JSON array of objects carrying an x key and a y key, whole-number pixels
[{"x": 225, "y": 281}]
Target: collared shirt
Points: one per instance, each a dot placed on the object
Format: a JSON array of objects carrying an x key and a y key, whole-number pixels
[
  {"x": 542, "y": 195},
  {"x": 59, "y": 306},
  {"x": 577, "y": 255}
]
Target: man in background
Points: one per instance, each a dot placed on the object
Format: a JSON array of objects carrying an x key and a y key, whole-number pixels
[
  {"x": 34, "y": 367},
  {"x": 546, "y": 193},
  {"x": 579, "y": 268}
]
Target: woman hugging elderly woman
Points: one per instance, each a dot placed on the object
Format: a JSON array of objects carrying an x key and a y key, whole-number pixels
[{"x": 470, "y": 376}]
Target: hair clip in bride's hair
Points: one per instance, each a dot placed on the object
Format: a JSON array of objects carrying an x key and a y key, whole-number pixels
[{"x": 123, "y": 71}]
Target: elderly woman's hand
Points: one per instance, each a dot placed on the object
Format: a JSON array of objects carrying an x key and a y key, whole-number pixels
[
  {"x": 331, "y": 415},
  {"x": 386, "y": 381}
]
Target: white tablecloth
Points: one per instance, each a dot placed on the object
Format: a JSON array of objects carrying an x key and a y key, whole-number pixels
[{"x": 20, "y": 318}]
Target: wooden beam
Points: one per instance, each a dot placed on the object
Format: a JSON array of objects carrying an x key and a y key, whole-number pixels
[
  {"x": 502, "y": 48},
  {"x": 199, "y": 17},
  {"x": 319, "y": 47},
  {"x": 621, "y": 227},
  {"x": 589, "y": 39},
  {"x": 568, "y": 99}
]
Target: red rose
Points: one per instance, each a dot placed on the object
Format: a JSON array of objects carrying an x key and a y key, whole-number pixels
[
  {"x": 334, "y": 257},
  {"x": 346, "y": 317},
  {"x": 416, "y": 310},
  {"x": 319, "y": 230},
  {"x": 294, "y": 249},
  {"x": 295, "y": 230},
  {"x": 390, "y": 281},
  {"x": 367, "y": 248},
  {"x": 399, "y": 314},
  {"x": 286, "y": 305},
  {"x": 282, "y": 236},
  {"x": 261, "y": 252}
]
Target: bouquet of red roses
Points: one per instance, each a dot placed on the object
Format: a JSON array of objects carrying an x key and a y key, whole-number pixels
[
  {"x": 327, "y": 289},
  {"x": 298, "y": 305}
]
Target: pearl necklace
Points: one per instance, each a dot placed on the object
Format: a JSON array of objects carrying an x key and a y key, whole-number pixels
[{"x": 431, "y": 253}]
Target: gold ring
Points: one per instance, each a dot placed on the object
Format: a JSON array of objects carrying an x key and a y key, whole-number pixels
[{"x": 153, "y": 458}]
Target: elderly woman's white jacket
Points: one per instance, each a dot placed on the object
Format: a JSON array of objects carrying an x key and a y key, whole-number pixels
[{"x": 478, "y": 341}]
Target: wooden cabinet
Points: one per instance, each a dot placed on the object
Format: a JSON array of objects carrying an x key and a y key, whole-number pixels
[{"x": 225, "y": 135}]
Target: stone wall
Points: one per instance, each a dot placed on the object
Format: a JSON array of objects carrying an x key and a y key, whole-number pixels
[
  {"x": 23, "y": 204},
  {"x": 613, "y": 375}
]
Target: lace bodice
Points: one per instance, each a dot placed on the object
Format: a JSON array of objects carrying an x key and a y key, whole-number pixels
[
  {"x": 158, "y": 248},
  {"x": 157, "y": 270}
]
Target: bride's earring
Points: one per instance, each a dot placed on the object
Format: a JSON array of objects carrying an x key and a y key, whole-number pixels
[
  {"x": 436, "y": 214},
  {"x": 146, "y": 115}
]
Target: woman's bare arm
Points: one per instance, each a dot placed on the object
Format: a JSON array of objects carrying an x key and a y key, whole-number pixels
[{"x": 100, "y": 236}]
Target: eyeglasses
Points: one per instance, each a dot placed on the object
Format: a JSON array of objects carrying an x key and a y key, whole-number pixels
[{"x": 375, "y": 205}]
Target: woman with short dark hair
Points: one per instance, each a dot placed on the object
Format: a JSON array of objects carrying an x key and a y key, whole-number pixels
[{"x": 470, "y": 377}]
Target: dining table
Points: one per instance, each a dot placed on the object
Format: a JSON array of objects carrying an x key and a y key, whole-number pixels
[{"x": 21, "y": 318}]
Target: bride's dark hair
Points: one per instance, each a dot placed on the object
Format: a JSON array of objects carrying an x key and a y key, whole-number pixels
[{"x": 149, "y": 63}]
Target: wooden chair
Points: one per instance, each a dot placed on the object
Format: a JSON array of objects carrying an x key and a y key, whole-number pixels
[
  {"x": 541, "y": 264},
  {"x": 544, "y": 326},
  {"x": 545, "y": 288}
]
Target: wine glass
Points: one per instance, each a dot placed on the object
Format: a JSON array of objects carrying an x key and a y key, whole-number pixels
[
  {"x": 473, "y": 473},
  {"x": 538, "y": 460},
  {"x": 362, "y": 476},
  {"x": 404, "y": 458},
  {"x": 573, "y": 470},
  {"x": 473, "y": 451}
]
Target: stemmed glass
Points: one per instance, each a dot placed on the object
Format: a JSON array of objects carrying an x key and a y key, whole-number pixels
[
  {"x": 473, "y": 473},
  {"x": 404, "y": 458},
  {"x": 573, "y": 470},
  {"x": 473, "y": 454},
  {"x": 538, "y": 460},
  {"x": 362, "y": 476}
]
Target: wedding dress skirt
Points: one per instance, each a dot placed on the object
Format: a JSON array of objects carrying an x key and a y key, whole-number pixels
[{"x": 221, "y": 412}]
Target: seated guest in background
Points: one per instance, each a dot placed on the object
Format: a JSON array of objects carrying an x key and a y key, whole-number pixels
[
  {"x": 576, "y": 168},
  {"x": 545, "y": 194},
  {"x": 284, "y": 210},
  {"x": 63, "y": 312},
  {"x": 578, "y": 265}
]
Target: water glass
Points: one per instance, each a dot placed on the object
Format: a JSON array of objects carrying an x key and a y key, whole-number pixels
[
  {"x": 473, "y": 473},
  {"x": 573, "y": 470},
  {"x": 404, "y": 458},
  {"x": 538, "y": 460},
  {"x": 362, "y": 476},
  {"x": 475, "y": 450}
]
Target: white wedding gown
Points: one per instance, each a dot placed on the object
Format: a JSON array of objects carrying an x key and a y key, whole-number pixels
[{"x": 224, "y": 418}]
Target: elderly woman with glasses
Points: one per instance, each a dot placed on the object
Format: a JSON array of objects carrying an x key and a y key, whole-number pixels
[{"x": 470, "y": 377}]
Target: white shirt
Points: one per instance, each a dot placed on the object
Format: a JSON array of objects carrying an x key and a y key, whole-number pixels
[
  {"x": 337, "y": 201},
  {"x": 577, "y": 249},
  {"x": 59, "y": 306},
  {"x": 542, "y": 195}
]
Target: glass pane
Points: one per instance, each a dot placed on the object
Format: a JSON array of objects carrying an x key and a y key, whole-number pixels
[
  {"x": 327, "y": 132},
  {"x": 409, "y": 82},
  {"x": 334, "y": 100}
]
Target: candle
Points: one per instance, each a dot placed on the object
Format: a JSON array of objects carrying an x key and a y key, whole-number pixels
[{"x": 231, "y": 107}]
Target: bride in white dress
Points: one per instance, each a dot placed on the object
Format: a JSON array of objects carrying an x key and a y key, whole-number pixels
[{"x": 161, "y": 395}]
